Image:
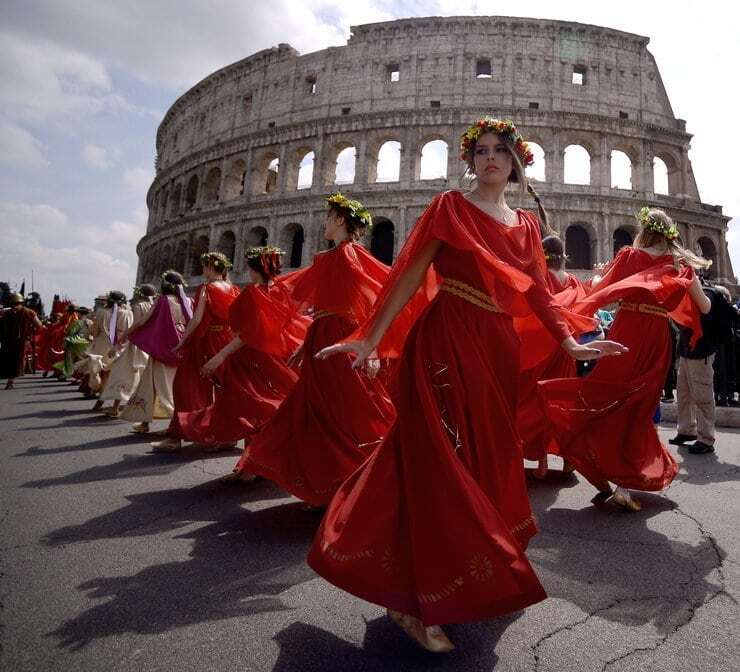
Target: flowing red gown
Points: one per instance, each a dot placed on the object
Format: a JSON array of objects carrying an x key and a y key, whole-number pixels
[
  {"x": 44, "y": 348},
  {"x": 435, "y": 523},
  {"x": 334, "y": 416},
  {"x": 190, "y": 390},
  {"x": 254, "y": 380},
  {"x": 534, "y": 428},
  {"x": 603, "y": 422}
]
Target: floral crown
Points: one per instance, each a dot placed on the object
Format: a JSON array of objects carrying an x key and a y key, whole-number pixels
[
  {"x": 217, "y": 260},
  {"x": 265, "y": 250},
  {"x": 500, "y": 127},
  {"x": 353, "y": 208},
  {"x": 164, "y": 278},
  {"x": 651, "y": 224}
]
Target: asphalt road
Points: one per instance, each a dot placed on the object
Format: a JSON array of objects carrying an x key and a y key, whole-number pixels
[{"x": 115, "y": 558}]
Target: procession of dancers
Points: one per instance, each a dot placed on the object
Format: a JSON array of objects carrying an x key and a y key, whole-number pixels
[{"x": 401, "y": 401}]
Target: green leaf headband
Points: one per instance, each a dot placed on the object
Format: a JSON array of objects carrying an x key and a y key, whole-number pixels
[
  {"x": 353, "y": 208},
  {"x": 647, "y": 222},
  {"x": 266, "y": 250},
  {"x": 216, "y": 259},
  {"x": 500, "y": 127}
]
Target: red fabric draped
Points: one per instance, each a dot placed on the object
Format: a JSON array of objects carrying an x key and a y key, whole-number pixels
[
  {"x": 603, "y": 423},
  {"x": 534, "y": 427},
  {"x": 190, "y": 390},
  {"x": 254, "y": 380},
  {"x": 334, "y": 416},
  {"x": 513, "y": 275}
]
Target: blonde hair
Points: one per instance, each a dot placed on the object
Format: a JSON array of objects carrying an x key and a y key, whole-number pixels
[
  {"x": 517, "y": 176},
  {"x": 650, "y": 237}
]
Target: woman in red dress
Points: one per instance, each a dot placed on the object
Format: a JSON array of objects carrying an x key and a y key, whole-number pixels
[
  {"x": 534, "y": 428},
  {"x": 434, "y": 525},
  {"x": 334, "y": 416},
  {"x": 604, "y": 422},
  {"x": 250, "y": 373},
  {"x": 206, "y": 334}
]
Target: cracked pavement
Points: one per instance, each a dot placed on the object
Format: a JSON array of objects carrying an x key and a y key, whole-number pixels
[{"x": 116, "y": 558}]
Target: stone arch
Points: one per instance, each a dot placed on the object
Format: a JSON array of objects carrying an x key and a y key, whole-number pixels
[
  {"x": 181, "y": 257},
  {"x": 576, "y": 165},
  {"x": 265, "y": 174},
  {"x": 382, "y": 239},
  {"x": 292, "y": 238},
  {"x": 234, "y": 181},
  {"x": 578, "y": 246},
  {"x": 660, "y": 177},
  {"x": 345, "y": 164},
  {"x": 200, "y": 246},
  {"x": 306, "y": 166},
  {"x": 621, "y": 237},
  {"x": 257, "y": 236},
  {"x": 165, "y": 258},
  {"x": 212, "y": 185},
  {"x": 173, "y": 207},
  {"x": 672, "y": 170},
  {"x": 538, "y": 170},
  {"x": 387, "y": 164},
  {"x": 227, "y": 245},
  {"x": 621, "y": 170},
  {"x": 191, "y": 192},
  {"x": 708, "y": 249},
  {"x": 433, "y": 160}
]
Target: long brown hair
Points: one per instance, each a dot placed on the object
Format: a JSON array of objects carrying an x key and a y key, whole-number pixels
[
  {"x": 517, "y": 176},
  {"x": 650, "y": 237}
]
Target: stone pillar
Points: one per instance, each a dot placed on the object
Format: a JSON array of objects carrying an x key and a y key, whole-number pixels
[
  {"x": 282, "y": 176},
  {"x": 321, "y": 166},
  {"x": 554, "y": 161},
  {"x": 222, "y": 182},
  {"x": 362, "y": 162},
  {"x": 455, "y": 167},
  {"x": 647, "y": 177},
  {"x": 603, "y": 177},
  {"x": 409, "y": 149},
  {"x": 248, "y": 177}
]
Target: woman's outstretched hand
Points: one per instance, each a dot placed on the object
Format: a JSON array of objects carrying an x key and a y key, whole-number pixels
[
  {"x": 361, "y": 349},
  {"x": 597, "y": 350}
]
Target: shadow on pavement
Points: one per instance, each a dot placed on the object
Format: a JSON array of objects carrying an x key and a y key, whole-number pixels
[
  {"x": 112, "y": 442},
  {"x": 707, "y": 468},
  {"x": 305, "y": 648},
  {"x": 238, "y": 566}
]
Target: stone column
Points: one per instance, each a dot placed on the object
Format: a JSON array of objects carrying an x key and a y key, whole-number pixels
[
  {"x": 222, "y": 182},
  {"x": 647, "y": 176},
  {"x": 603, "y": 177},
  {"x": 282, "y": 176},
  {"x": 362, "y": 162},
  {"x": 409, "y": 149},
  {"x": 554, "y": 161}
]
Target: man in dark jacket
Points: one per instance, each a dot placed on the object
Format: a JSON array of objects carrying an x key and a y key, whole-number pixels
[{"x": 695, "y": 388}]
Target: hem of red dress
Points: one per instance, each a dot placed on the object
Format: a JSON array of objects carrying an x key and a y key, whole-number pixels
[{"x": 431, "y": 616}]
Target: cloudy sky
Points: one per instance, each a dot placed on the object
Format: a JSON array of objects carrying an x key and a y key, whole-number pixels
[{"x": 84, "y": 83}]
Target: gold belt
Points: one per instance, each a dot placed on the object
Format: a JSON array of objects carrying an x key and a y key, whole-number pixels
[
  {"x": 216, "y": 327},
  {"x": 321, "y": 313},
  {"x": 647, "y": 308},
  {"x": 470, "y": 294}
]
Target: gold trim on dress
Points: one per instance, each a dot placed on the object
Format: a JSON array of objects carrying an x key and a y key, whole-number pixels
[
  {"x": 470, "y": 294},
  {"x": 216, "y": 327},
  {"x": 646, "y": 308},
  {"x": 321, "y": 313}
]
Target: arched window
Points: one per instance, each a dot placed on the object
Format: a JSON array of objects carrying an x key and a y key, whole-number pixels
[
  {"x": 200, "y": 246},
  {"x": 191, "y": 193},
  {"x": 708, "y": 250},
  {"x": 305, "y": 171},
  {"x": 433, "y": 160},
  {"x": 621, "y": 238},
  {"x": 389, "y": 162},
  {"x": 577, "y": 247},
  {"x": 291, "y": 239},
  {"x": 175, "y": 196},
  {"x": 344, "y": 172},
  {"x": 537, "y": 170},
  {"x": 621, "y": 170},
  {"x": 234, "y": 182},
  {"x": 660, "y": 176},
  {"x": 576, "y": 165},
  {"x": 212, "y": 185},
  {"x": 227, "y": 245},
  {"x": 272, "y": 175},
  {"x": 180, "y": 256},
  {"x": 257, "y": 236},
  {"x": 381, "y": 240}
]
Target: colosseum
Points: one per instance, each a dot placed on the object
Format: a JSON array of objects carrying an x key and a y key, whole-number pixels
[{"x": 248, "y": 154}]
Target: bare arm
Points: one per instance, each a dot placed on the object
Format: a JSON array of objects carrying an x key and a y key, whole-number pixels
[
  {"x": 219, "y": 358},
  {"x": 699, "y": 297},
  {"x": 399, "y": 296}
]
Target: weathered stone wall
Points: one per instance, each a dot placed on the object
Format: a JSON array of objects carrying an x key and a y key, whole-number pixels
[{"x": 212, "y": 187}]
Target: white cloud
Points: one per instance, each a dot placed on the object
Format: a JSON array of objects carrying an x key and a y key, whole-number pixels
[
  {"x": 96, "y": 156},
  {"x": 79, "y": 262},
  {"x": 19, "y": 148},
  {"x": 138, "y": 180}
]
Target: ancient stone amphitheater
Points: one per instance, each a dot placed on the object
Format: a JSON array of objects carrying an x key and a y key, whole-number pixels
[{"x": 248, "y": 154}]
